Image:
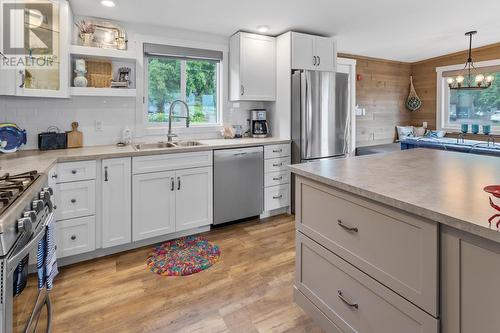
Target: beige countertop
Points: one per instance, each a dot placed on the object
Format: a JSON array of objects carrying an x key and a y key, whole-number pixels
[
  {"x": 41, "y": 161},
  {"x": 442, "y": 186}
]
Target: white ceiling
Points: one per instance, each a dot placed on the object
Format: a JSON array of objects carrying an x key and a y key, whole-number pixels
[{"x": 404, "y": 30}]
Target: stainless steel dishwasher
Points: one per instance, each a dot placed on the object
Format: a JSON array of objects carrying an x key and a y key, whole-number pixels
[{"x": 238, "y": 183}]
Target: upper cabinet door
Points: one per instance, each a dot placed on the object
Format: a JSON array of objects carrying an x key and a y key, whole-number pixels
[
  {"x": 116, "y": 201},
  {"x": 40, "y": 37},
  {"x": 303, "y": 51},
  {"x": 326, "y": 54},
  {"x": 313, "y": 52},
  {"x": 193, "y": 198},
  {"x": 252, "y": 67}
]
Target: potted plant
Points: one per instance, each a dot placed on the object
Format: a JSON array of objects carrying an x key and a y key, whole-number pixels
[{"x": 86, "y": 32}]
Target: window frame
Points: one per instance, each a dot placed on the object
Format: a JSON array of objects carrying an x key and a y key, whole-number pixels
[
  {"x": 443, "y": 97},
  {"x": 183, "y": 77}
]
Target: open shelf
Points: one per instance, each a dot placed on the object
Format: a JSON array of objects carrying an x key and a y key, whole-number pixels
[
  {"x": 97, "y": 52},
  {"x": 105, "y": 92}
]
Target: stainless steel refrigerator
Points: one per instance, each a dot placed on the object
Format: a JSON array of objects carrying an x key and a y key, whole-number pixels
[
  {"x": 320, "y": 117},
  {"x": 320, "y": 112}
]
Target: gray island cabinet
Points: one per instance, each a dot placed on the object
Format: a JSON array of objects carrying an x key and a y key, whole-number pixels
[{"x": 393, "y": 243}]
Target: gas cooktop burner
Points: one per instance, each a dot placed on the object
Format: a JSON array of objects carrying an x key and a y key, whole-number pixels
[{"x": 12, "y": 186}]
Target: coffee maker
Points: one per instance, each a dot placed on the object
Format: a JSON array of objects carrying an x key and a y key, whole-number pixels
[{"x": 259, "y": 123}]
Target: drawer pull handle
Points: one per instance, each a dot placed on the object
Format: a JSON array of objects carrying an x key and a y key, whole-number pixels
[
  {"x": 172, "y": 184},
  {"x": 278, "y": 151},
  {"x": 73, "y": 200},
  {"x": 73, "y": 237},
  {"x": 346, "y": 227},
  {"x": 349, "y": 303},
  {"x": 73, "y": 172},
  {"x": 277, "y": 164},
  {"x": 278, "y": 196},
  {"x": 178, "y": 183},
  {"x": 105, "y": 173},
  {"x": 278, "y": 178},
  {"x": 54, "y": 175}
]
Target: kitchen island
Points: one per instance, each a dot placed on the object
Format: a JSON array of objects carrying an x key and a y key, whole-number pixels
[{"x": 398, "y": 242}]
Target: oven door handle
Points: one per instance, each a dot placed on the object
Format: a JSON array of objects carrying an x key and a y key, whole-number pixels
[{"x": 14, "y": 260}]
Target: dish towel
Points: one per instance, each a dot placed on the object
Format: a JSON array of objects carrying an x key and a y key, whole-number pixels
[{"x": 46, "y": 258}]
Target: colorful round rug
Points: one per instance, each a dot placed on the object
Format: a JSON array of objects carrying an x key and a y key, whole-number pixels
[{"x": 183, "y": 256}]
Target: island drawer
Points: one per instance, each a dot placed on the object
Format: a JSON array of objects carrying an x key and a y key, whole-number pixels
[
  {"x": 166, "y": 162},
  {"x": 75, "y": 199},
  {"x": 396, "y": 249},
  {"x": 75, "y": 171},
  {"x": 352, "y": 300},
  {"x": 275, "y": 151}
]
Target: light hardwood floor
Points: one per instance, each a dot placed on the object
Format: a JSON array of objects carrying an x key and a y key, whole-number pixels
[{"x": 248, "y": 290}]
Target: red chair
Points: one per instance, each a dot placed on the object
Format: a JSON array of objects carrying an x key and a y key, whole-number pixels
[{"x": 495, "y": 191}]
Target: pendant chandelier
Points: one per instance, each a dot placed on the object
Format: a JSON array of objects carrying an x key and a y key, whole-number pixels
[{"x": 470, "y": 79}]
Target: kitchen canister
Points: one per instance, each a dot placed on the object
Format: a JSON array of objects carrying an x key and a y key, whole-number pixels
[{"x": 475, "y": 128}]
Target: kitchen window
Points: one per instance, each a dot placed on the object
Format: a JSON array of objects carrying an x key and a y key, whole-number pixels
[
  {"x": 456, "y": 107},
  {"x": 191, "y": 75}
]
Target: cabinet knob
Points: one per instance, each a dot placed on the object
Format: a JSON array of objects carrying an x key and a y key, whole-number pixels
[
  {"x": 73, "y": 237},
  {"x": 242, "y": 90},
  {"x": 73, "y": 200},
  {"x": 73, "y": 172},
  {"x": 54, "y": 175},
  {"x": 278, "y": 151},
  {"x": 278, "y": 197}
]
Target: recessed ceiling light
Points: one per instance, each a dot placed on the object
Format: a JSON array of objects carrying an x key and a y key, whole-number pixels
[
  {"x": 263, "y": 29},
  {"x": 108, "y": 3}
]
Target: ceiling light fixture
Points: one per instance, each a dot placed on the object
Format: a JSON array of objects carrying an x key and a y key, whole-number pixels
[
  {"x": 262, "y": 29},
  {"x": 465, "y": 80},
  {"x": 108, "y": 3}
]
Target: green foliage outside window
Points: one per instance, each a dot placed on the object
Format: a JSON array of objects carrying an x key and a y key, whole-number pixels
[{"x": 165, "y": 76}]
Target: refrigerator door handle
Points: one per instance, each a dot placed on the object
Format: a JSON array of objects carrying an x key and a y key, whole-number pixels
[{"x": 303, "y": 115}]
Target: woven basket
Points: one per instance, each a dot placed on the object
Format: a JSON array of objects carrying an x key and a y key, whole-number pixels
[
  {"x": 99, "y": 80},
  {"x": 99, "y": 73}
]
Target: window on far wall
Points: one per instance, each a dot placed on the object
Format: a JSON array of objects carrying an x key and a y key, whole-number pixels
[
  {"x": 473, "y": 106},
  {"x": 193, "y": 80}
]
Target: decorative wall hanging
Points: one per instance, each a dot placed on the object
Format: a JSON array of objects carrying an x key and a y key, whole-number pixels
[
  {"x": 103, "y": 34},
  {"x": 413, "y": 102}
]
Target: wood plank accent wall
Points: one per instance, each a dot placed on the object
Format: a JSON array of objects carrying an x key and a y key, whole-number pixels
[
  {"x": 382, "y": 91},
  {"x": 424, "y": 79}
]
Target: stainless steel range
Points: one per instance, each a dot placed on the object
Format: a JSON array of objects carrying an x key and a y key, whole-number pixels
[{"x": 25, "y": 208}]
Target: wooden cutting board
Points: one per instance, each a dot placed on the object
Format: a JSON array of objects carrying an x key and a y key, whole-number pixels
[{"x": 75, "y": 137}]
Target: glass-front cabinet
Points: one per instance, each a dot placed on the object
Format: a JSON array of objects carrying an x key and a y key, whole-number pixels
[{"x": 34, "y": 46}]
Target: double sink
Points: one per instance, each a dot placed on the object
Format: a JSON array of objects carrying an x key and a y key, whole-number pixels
[{"x": 166, "y": 145}]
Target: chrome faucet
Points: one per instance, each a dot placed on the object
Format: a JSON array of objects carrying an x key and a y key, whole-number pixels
[{"x": 171, "y": 135}]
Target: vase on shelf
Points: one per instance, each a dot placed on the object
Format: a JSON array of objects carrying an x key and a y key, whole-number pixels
[
  {"x": 87, "y": 39},
  {"x": 80, "y": 79}
]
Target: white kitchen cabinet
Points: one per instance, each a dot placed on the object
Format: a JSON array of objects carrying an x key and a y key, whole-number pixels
[
  {"x": 171, "y": 201},
  {"x": 252, "y": 67},
  {"x": 116, "y": 175},
  {"x": 75, "y": 236},
  {"x": 153, "y": 204},
  {"x": 75, "y": 199},
  {"x": 470, "y": 298},
  {"x": 313, "y": 52},
  {"x": 193, "y": 198},
  {"x": 47, "y": 73}
]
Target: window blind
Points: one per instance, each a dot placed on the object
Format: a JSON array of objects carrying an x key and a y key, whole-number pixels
[{"x": 181, "y": 52}]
